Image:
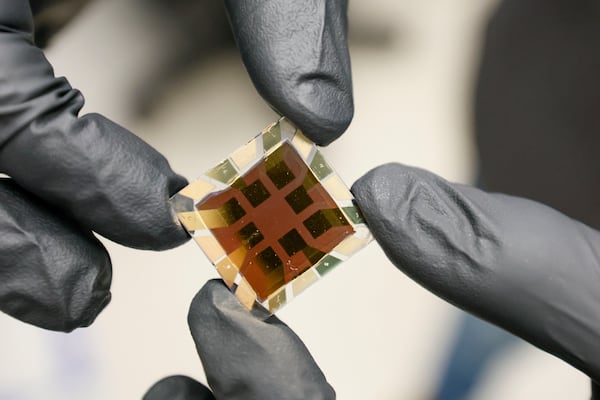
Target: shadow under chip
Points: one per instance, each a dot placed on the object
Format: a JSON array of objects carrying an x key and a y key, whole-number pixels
[
  {"x": 250, "y": 236},
  {"x": 256, "y": 193}
]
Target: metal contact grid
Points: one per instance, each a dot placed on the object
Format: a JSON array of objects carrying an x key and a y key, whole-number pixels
[{"x": 273, "y": 217}]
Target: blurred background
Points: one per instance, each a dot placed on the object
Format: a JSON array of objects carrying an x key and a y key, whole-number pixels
[{"x": 169, "y": 72}]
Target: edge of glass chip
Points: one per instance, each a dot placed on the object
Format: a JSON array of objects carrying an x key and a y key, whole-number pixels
[{"x": 237, "y": 164}]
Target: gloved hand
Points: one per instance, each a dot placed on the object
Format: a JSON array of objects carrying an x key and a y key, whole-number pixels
[
  {"x": 246, "y": 356},
  {"x": 73, "y": 175},
  {"x": 513, "y": 262}
]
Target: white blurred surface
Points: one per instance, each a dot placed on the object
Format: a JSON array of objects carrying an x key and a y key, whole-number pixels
[{"x": 381, "y": 340}]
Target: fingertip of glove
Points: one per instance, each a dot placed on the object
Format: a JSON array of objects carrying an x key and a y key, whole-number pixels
[
  {"x": 98, "y": 299},
  {"x": 387, "y": 181},
  {"x": 234, "y": 345},
  {"x": 175, "y": 235},
  {"x": 324, "y": 108},
  {"x": 169, "y": 237},
  {"x": 322, "y": 131},
  {"x": 89, "y": 296},
  {"x": 296, "y": 53},
  {"x": 386, "y": 196},
  {"x": 96, "y": 306},
  {"x": 216, "y": 302},
  {"x": 373, "y": 189},
  {"x": 178, "y": 387},
  {"x": 55, "y": 275},
  {"x": 159, "y": 229},
  {"x": 62, "y": 294},
  {"x": 211, "y": 298},
  {"x": 214, "y": 292}
]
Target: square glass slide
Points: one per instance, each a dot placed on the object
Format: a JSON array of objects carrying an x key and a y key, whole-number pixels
[{"x": 273, "y": 217}]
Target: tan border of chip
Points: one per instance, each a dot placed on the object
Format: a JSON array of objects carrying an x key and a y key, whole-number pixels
[
  {"x": 302, "y": 145},
  {"x": 191, "y": 220},
  {"x": 212, "y": 218},
  {"x": 211, "y": 247},
  {"x": 227, "y": 270},
  {"x": 197, "y": 189},
  {"x": 350, "y": 245},
  {"x": 336, "y": 188},
  {"x": 245, "y": 155},
  {"x": 245, "y": 294},
  {"x": 287, "y": 129},
  {"x": 303, "y": 281}
]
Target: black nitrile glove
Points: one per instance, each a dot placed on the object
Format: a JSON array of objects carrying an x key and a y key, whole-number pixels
[
  {"x": 513, "y": 262},
  {"x": 297, "y": 55},
  {"x": 245, "y": 356},
  {"x": 73, "y": 175}
]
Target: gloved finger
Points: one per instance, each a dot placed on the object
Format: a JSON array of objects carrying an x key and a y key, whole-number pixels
[
  {"x": 514, "y": 262},
  {"x": 296, "y": 53},
  {"x": 248, "y": 356},
  {"x": 178, "y": 387},
  {"x": 53, "y": 274},
  {"x": 105, "y": 177}
]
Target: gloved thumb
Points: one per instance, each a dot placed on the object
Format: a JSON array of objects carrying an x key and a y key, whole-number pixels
[
  {"x": 251, "y": 356},
  {"x": 178, "y": 387},
  {"x": 514, "y": 262}
]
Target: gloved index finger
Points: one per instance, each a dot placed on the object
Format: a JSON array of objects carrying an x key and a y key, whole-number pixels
[
  {"x": 296, "y": 53},
  {"x": 248, "y": 356},
  {"x": 514, "y": 262}
]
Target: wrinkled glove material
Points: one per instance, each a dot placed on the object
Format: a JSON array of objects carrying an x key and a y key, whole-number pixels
[
  {"x": 247, "y": 356},
  {"x": 514, "y": 262},
  {"x": 70, "y": 176}
]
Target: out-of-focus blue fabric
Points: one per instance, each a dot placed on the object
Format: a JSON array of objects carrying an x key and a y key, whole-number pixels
[{"x": 476, "y": 345}]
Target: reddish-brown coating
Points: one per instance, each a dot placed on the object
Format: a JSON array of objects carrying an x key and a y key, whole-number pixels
[{"x": 281, "y": 217}]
